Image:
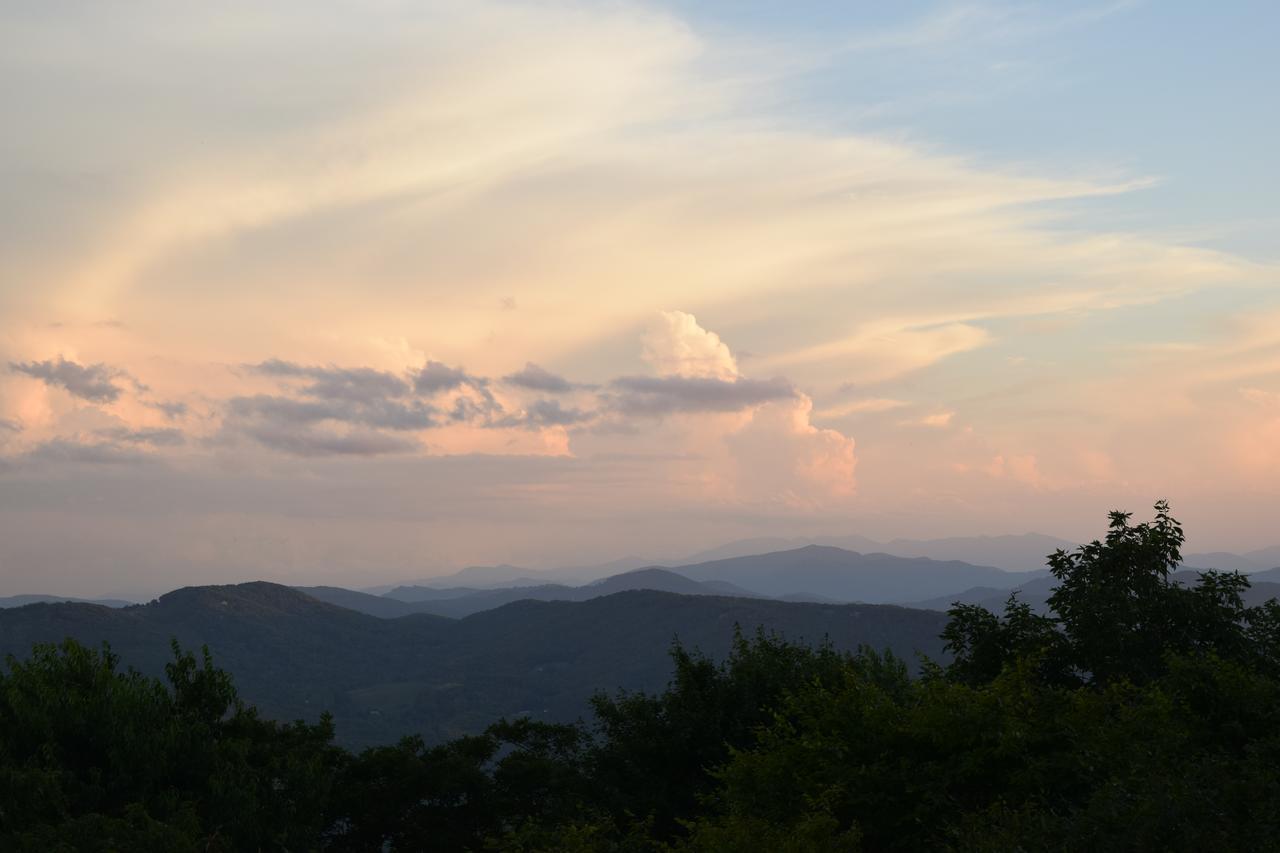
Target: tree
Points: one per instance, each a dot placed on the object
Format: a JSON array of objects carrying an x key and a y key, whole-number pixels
[
  {"x": 95, "y": 758},
  {"x": 1117, "y": 614},
  {"x": 1138, "y": 714}
]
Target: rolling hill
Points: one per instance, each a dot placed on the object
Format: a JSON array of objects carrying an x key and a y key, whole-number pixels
[{"x": 295, "y": 656}]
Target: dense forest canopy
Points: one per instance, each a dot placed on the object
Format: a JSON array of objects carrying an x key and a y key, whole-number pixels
[{"x": 1138, "y": 713}]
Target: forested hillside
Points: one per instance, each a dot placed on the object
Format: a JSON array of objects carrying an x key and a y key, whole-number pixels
[{"x": 293, "y": 656}]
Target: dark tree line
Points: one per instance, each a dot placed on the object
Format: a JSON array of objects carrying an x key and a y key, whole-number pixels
[{"x": 1136, "y": 714}]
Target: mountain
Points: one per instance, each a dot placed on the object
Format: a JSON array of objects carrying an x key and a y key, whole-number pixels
[
  {"x": 427, "y": 600},
  {"x": 773, "y": 544},
  {"x": 1025, "y": 552},
  {"x": 294, "y": 656},
  {"x": 834, "y": 573},
  {"x": 1036, "y": 591},
  {"x": 1021, "y": 553},
  {"x": 414, "y": 592},
  {"x": 24, "y": 600},
  {"x": 664, "y": 580},
  {"x": 495, "y": 577},
  {"x": 814, "y": 573},
  {"x": 485, "y": 577},
  {"x": 1223, "y": 561},
  {"x": 1249, "y": 562},
  {"x": 1269, "y": 557},
  {"x": 373, "y": 605}
]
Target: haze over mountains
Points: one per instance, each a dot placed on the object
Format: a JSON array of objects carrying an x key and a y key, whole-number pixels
[
  {"x": 813, "y": 573},
  {"x": 816, "y": 573},
  {"x": 829, "y": 568},
  {"x": 1013, "y": 553}
]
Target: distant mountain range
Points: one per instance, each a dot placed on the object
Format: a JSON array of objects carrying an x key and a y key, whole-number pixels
[
  {"x": 1248, "y": 562},
  {"x": 1263, "y": 586},
  {"x": 812, "y": 573},
  {"x": 24, "y": 600},
  {"x": 293, "y": 655},
  {"x": 1020, "y": 553},
  {"x": 1015, "y": 553},
  {"x": 841, "y": 575},
  {"x": 458, "y": 602}
]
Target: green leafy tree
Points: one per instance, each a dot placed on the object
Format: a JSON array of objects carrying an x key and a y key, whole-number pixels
[
  {"x": 1117, "y": 614},
  {"x": 1138, "y": 715},
  {"x": 655, "y": 753},
  {"x": 95, "y": 758}
]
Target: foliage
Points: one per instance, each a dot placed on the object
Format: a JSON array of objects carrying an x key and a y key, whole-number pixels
[
  {"x": 93, "y": 758},
  {"x": 1138, "y": 715}
]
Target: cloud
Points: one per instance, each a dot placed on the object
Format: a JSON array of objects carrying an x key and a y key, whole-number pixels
[
  {"x": 655, "y": 396},
  {"x": 545, "y": 413},
  {"x": 534, "y": 378},
  {"x": 357, "y": 385},
  {"x": 1023, "y": 468},
  {"x": 1261, "y": 397},
  {"x": 7, "y": 425},
  {"x": 876, "y": 352},
  {"x": 323, "y": 442},
  {"x": 781, "y": 458},
  {"x": 172, "y": 409},
  {"x": 378, "y": 413},
  {"x": 88, "y": 382},
  {"x": 677, "y": 346},
  {"x": 436, "y": 377},
  {"x": 935, "y": 420},
  {"x": 155, "y": 437},
  {"x": 335, "y": 410},
  {"x": 871, "y": 405},
  {"x": 355, "y": 411}
]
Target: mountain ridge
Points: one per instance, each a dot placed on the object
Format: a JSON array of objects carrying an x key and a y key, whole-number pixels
[{"x": 294, "y": 656}]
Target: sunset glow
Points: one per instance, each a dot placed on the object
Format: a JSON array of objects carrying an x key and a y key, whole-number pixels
[{"x": 480, "y": 282}]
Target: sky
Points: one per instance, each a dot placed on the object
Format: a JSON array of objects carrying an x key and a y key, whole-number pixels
[{"x": 357, "y": 292}]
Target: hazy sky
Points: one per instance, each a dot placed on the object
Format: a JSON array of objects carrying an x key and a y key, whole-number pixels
[{"x": 360, "y": 291}]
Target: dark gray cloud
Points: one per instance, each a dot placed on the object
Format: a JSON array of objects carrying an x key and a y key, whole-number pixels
[
  {"x": 91, "y": 382},
  {"x": 544, "y": 413},
  {"x": 333, "y": 410},
  {"x": 376, "y": 413},
  {"x": 311, "y": 442},
  {"x": 357, "y": 384},
  {"x": 343, "y": 410},
  {"x": 483, "y": 411},
  {"x": 7, "y": 425},
  {"x": 436, "y": 377},
  {"x": 166, "y": 437},
  {"x": 655, "y": 396},
  {"x": 534, "y": 378},
  {"x": 171, "y": 408},
  {"x": 551, "y": 413}
]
